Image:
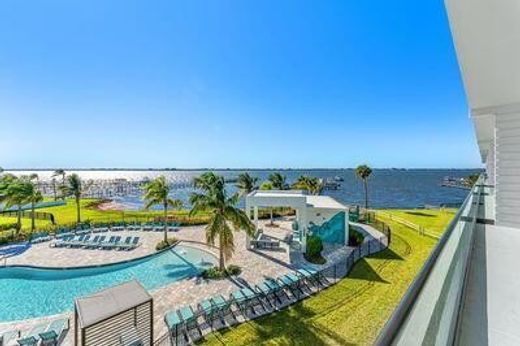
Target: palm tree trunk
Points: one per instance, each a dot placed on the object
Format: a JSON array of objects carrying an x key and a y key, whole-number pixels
[
  {"x": 32, "y": 217},
  {"x": 165, "y": 227},
  {"x": 366, "y": 193},
  {"x": 63, "y": 184},
  {"x": 54, "y": 189},
  {"x": 78, "y": 213},
  {"x": 19, "y": 221},
  {"x": 222, "y": 264}
]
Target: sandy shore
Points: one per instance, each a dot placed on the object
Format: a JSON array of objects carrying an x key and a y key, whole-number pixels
[{"x": 111, "y": 205}]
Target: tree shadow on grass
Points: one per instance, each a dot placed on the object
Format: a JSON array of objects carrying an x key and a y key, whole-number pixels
[
  {"x": 291, "y": 326},
  {"x": 419, "y": 213},
  {"x": 387, "y": 254},
  {"x": 364, "y": 271}
]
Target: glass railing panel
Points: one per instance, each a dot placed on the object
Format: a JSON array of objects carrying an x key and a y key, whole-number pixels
[{"x": 428, "y": 313}]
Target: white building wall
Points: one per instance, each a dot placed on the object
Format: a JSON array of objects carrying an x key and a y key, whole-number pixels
[
  {"x": 507, "y": 179},
  {"x": 490, "y": 165}
]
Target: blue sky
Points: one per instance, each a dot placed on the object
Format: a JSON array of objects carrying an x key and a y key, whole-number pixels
[{"x": 230, "y": 84}]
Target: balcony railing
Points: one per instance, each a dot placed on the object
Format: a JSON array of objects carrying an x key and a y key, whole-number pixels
[{"x": 429, "y": 312}]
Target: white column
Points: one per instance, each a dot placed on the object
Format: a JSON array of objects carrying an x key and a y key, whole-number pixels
[
  {"x": 303, "y": 229},
  {"x": 255, "y": 212},
  {"x": 346, "y": 226}
]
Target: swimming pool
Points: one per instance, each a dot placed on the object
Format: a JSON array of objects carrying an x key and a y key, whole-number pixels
[{"x": 27, "y": 292}]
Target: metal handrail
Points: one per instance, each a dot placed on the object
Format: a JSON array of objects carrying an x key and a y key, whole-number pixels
[{"x": 392, "y": 327}]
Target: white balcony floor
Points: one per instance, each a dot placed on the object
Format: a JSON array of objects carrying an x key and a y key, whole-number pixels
[{"x": 491, "y": 314}]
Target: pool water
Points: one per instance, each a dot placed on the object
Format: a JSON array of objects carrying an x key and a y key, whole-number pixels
[{"x": 32, "y": 292}]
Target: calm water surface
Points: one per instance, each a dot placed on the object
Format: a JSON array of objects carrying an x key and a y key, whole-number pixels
[
  {"x": 29, "y": 292},
  {"x": 388, "y": 188}
]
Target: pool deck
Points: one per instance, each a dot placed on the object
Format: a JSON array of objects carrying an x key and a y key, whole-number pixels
[{"x": 256, "y": 265}]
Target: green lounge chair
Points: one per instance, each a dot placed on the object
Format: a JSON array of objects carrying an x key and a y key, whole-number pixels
[
  {"x": 206, "y": 306},
  {"x": 126, "y": 245},
  {"x": 90, "y": 244},
  {"x": 116, "y": 243},
  {"x": 243, "y": 299},
  {"x": 70, "y": 241},
  {"x": 238, "y": 296},
  {"x": 189, "y": 319},
  {"x": 278, "y": 290},
  {"x": 269, "y": 293},
  {"x": 55, "y": 331},
  {"x": 33, "y": 337},
  {"x": 174, "y": 322},
  {"x": 311, "y": 275},
  {"x": 209, "y": 311},
  {"x": 292, "y": 284},
  {"x": 223, "y": 306},
  {"x": 106, "y": 245},
  {"x": 252, "y": 299},
  {"x": 297, "y": 281},
  {"x": 80, "y": 241},
  {"x": 8, "y": 337}
]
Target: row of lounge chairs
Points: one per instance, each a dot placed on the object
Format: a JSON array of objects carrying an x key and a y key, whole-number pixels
[
  {"x": 98, "y": 242},
  {"x": 249, "y": 302},
  {"x": 40, "y": 237},
  {"x": 45, "y": 334},
  {"x": 147, "y": 227}
]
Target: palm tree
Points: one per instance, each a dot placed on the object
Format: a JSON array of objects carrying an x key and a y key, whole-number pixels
[
  {"x": 74, "y": 187},
  {"x": 34, "y": 176},
  {"x": 268, "y": 185},
  {"x": 278, "y": 181},
  {"x": 363, "y": 172},
  {"x": 16, "y": 194},
  {"x": 246, "y": 183},
  {"x": 5, "y": 181},
  {"x": 53, "y": 181},
  {"x": 35, "y": 196},
  {"x": 157, "y": 192},
  {"x": 60, "y": 172},
  {"x": 312, "y": 184},
  {"x": 224, "y": 215}
]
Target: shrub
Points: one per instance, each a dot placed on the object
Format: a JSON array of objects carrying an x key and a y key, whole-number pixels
[
  {"x": 233, "y": 270},
  {"x": 355, "y": 238},
  {"x": 164, "y": 244},
  {"x": 314, "y": 249},
  {"x": 8, "y": 226},
  {"x": 214, "y": 273}
]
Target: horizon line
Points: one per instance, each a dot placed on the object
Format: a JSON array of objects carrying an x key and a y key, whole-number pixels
[{"x": 230, "y": 169}]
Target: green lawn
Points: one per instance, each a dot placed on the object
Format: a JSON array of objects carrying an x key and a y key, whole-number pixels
[
  {"x": 352, "y": 311},
  {"x": 66, "y": 215},
  {"x": 433, "y": 220}
]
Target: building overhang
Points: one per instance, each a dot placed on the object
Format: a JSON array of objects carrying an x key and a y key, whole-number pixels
[{"x": 487, "y": 41}]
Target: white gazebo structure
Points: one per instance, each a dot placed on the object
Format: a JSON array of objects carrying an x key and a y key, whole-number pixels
[{"x": 313, "y": 213}]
